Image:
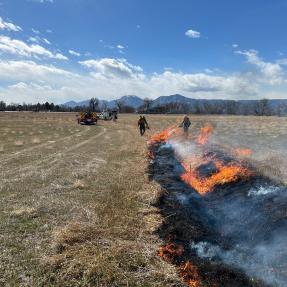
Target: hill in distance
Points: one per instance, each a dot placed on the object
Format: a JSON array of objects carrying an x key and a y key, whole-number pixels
[
  {"x": 131, "y": 101},
  {"x": 181, "y": 104}
]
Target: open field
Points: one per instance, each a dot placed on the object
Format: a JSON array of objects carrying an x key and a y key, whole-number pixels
[{"x": 76, "y": 204}]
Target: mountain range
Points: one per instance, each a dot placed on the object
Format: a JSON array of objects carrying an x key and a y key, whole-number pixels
[
  {"x": 131, "y": 101},
  {"x": 179, "y": 102}
]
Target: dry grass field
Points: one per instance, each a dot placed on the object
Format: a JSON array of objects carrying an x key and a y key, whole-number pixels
[{"x": 76, "y": 205}]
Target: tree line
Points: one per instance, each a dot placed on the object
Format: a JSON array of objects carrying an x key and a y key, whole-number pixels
[
  {"x": 261, "y": 107},
  {"x": 39, "y": 107},
  {"x": 94, "y": 106}
]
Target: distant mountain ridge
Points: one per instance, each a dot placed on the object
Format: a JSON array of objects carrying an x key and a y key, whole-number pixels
[
  {"x": 181, "y": 104},
  {"x": 131, "y": 101}
]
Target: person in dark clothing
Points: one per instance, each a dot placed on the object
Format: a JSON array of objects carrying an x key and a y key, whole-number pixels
[
  {"x": 114, "y": 115},
  {"x": 142, "y": 124},
  {"x": 185, "y": 125}
]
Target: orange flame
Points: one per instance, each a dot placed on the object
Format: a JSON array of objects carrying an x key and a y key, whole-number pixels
[
  {"x": 243, "y": 152},
  {"x": 170, "y": 251},
  {"x": 205, "y": 134},
  {"x": 189, "y": 273},
  {"x": 164, "y": 135},
  {"x": 150, "y": 155},
  {"x": 224, "y": 174}
]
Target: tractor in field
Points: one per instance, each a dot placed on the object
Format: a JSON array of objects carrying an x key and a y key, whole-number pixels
[{"x": 87, "y": 118}]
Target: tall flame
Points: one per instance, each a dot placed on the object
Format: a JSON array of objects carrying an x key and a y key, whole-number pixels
[
  {"x": 205, "y": 134},
  {"x": 224, "y": 174},
  {"x": 203, "y": 172},
  {"x": 164, "y": 135}
]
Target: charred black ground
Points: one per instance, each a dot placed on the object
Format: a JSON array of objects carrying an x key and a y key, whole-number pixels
[{"x": 221, "y": 230}]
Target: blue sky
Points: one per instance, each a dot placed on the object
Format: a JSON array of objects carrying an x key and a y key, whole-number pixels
[{"x": 59, "y": 50}]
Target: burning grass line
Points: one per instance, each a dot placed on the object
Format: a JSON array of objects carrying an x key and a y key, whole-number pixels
[
  {"x": 205, "y": 134},
  {"x": 225, "y": 174},
  {"x": 174, "y": 253},
  {"x": 204, "y": 173},
  {"x": 164, "y": 135}
]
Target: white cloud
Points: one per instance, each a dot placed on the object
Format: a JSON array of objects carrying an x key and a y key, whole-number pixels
[
  {"x": 273, "y": 72},
  {"x": 30, "y": 93},
  {"x": 235, "y": 46},
  {"x": 20, "y": 48},
  {"x": 121, "y": 49},
  {"x": 114, "y": 75},
  {"x": 282, "y": 62},
  {"x": 109, "y": 46},
  {"x": 192, "y": 33},
  {"x": 38, "y": 40},
  {"x": 33, "y": 39},
  {"x": 109, "y": 78},
  {"x": 9, "y": 26},
  {"x": 46, "y": 41},
  {"x": 22, "y": 86},
  {"x": 88, "y": 54},
  {"x": 201, "y": 83},
  {"x": 42, "y": 1},
  {"x": 30, "y": 70},
  {"x": 32, "y": 82},
  {"x": 74, "y": 53},
  {"x": 35, "y": 31},
  {"x": 108, "y": 67}
]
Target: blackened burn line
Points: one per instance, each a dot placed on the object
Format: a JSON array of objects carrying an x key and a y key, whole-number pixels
[{"x": 228, "y": 235}]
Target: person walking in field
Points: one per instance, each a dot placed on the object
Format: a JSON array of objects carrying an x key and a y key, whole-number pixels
[
  {"x": 185, "y": 125},
  {"x": 114, "y": 115},
  {"x": 142, "y": 124},
  {"x": 78, "y": 117}
]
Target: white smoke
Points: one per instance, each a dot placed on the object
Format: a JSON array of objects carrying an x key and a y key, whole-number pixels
[
  {"x": 166, "y": 145},
  {"x": 205, "y": 249},
  {"x": 258, "y": 262},
  {"x": 252, "y": 221},
  {"x": 263, "y": 190},
  {"x": 182, "y": 198},
  {"x": 184, "y": 149}
]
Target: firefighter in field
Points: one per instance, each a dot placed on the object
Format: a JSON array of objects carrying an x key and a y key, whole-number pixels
[
  {"x": 185, "y": 125},
  {"x": 114, "y": 115},
  {"x": 78, "y": 117},
  {"x": 142, "y": 124}
]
